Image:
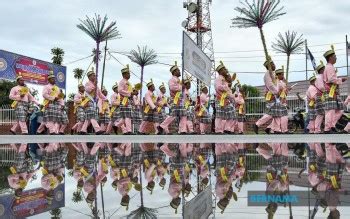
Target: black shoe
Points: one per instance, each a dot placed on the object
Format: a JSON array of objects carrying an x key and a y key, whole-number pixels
[
  {"x": 160, "y": 130},
  {"x": 82, "y": 133},
  {"x": 100, "y": 132},
  {"x": 227, "y": 132},
  {"x": 61, "y": 133},
  {"x": 268, "y": 131},
  {"x": 12, "y": 132},
  {"x": 256, "y": 129},
  {"x": 128, "y": 133},
  {"x": 287, "y": 133},
  {"x": 241, "y": 133},
  {"x": 183, "y": 133},
  {"x": 277, "y": 133},
  {"x": 159, "y": 145},
  {"x": 328, "y": 132},
  {"x": 72, "y": 132},
  {"x": 334, "y": 130}
]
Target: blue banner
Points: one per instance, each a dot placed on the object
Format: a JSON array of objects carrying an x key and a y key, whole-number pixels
[{"x": 34, "y": 71}]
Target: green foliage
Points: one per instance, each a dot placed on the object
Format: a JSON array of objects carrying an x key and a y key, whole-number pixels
[
  {"x": 289, "y": 43},
  {"x": 58, "y": 55},
  {"x": 256, "y": 13},
  {"x": 6, "y": 87},
  {"x": 250, "y": 91},
  {"x": 143, "y": 56},
  {"x": 98, "y": 29}
]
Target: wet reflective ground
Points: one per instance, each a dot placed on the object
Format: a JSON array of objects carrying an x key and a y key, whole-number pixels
[{"x": 115, "y": 180}]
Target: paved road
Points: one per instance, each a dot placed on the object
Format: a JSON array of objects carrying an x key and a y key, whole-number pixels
[{"x": 340, "y": 138}]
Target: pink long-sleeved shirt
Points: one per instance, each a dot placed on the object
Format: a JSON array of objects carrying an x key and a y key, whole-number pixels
[{"x": 16, "y": 95}]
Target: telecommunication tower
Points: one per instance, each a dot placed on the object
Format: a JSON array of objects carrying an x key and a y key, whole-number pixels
[{"x": 198, "y": 27}]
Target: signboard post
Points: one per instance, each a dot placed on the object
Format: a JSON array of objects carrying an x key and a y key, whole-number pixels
[
  {"x": 195, "y": 61},
  {"x": 30, "y": 203},
  {"x": 201, "y": 206},
  {"x": 32, "y": 70}
]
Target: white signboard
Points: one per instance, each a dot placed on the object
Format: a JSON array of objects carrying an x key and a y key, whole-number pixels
[
  {"x": 201, "y": 206},
  {"x": 195, "y": 61}
]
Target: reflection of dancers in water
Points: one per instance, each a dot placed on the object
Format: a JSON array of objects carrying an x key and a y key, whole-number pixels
[
  {"x": 277, "y": 180},
  {"x": 53, "y": 164},
  {"x": 179, "y": 179},
  {"x": 329, "y": 189},
  {"x": 21, "y": 171},
  {"x": 201, "y": 156}
]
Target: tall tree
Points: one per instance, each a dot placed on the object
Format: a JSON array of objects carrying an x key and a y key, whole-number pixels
[
  {"x": 78, "y": 74},
  {"x": 98, "y": 29},
  {"x": 58, "y": 55},
  {"x": 289, "y": 43},
  {"x": 257, "y": 13},
  {"x": 143, "y": 57},
  {"x": 6, "y": 87}
]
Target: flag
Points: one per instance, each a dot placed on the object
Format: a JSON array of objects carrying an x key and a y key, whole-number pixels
[{"x": 312, "y": 58}]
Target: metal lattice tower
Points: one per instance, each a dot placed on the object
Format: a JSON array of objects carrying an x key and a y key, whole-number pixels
[{"x": 199, "y": 29}]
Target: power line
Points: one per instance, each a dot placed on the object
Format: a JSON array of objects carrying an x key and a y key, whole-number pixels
[{"x": 80, "y": 59}]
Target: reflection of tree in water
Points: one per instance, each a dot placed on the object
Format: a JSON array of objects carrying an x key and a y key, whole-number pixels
[
  {"x": 56, "y": 213},
  {"x": 4, "y": 185},
  {"x": 77, "y": 197}
]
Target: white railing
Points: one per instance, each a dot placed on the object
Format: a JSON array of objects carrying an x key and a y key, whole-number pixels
[
  {"x": 7, "y": 155},
  {"x": 7, "y": 115}
]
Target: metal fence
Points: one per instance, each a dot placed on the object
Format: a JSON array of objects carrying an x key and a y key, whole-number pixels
[
  {"x": 7, "y": 115},
  {"x": 256, "y": 106},
  {"x": 7, "y": 155}
]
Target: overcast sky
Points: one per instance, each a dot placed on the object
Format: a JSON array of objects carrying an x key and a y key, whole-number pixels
[{"x": 33, "y": 27}]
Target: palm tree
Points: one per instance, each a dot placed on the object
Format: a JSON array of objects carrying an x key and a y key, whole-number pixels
[
  {"x": 78, "y": 74},
  {"x": 57, "y": 57},
  {"x": 77, "y": 197},
  {"x": 143, "y": 57},
  {"x": 55, "y": 213},
  {"x": 289, "y": 44},
  {"x": 99, "y": 31},
  {"x": 256, "y": 14}
]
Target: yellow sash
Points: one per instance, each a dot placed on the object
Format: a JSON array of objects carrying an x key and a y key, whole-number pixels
[
  {"x": 332, "y": 90},
  {"x": 111, "y": 161},
  {"x": 187, "y": 168},
  {"x": 83, "y": 171},
  {"x": 114, "y": 107},
  {"x": 22, "y": 183},
  {"x": 187, "y": 104},
  {"x": 124, "y": 173},
  {"x": 269, "y": 177},
  {"x": 52, "y": 183},
  {"x": 268, "y": 96},
  {"x": 165, "y": 100},
  {"x": 323, "y": 98},
  {"x": 223, "y": 174},
  {"x": 13, "y": 170},
  {"x": 126, "y": 99},
  {"x": 312, "y": 103},
  {"x": 201, "y": 160},
  {"x": 284, "y": 178},
  {"x": 104, "y": 166},
  {"x": 84, "y": 102},
  {"x": 159, "y": 163},
  {"x": 22, "y": 91},
  {"x": 283, "y": 94},
  {"x": 177, "y": 97},
  {"x": 312, "y": 168},
  {"x": 148, "y": 108},
  {"x": 241, "y": 161},
  {"x": 54, "y": 92},
  {"x": 14, "y": 104},
  {"x": 241, "y": 109},
  {"x": 44, "y": 171},
  {"x": 222, "y": 99},
  {"x": 177, "y": 176},
  {"x": 201, "y": 111},
  {"x": 105, "y": 106},
  {"x": 334, "y": 182},
  {"x": 146, "y": 162}
]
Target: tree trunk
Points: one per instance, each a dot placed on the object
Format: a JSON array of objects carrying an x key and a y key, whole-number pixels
[
  {"x": 104, "y": 66},
  {"x": 287, "y": 70},
  {"x": 266, "y": 53},
  {"x": 140, "y": 175},
  {"x": 142, "y": 68},
  {"x": 97, "y": 54}
]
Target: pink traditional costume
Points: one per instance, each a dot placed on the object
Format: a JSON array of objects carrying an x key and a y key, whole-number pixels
[
  {"x": 333, "y": 105},
  {"x": 203, "y": 113},
  {"x": 177, "y": 107},
  {"x": 271, "y": 92},
  {"x": 150, "y": 112},
  {"x": 52, "y": 108},
  {"x": 79, "y": 110},
  {"x": 311, "y": 95},
  {"x": 104, "y": 111},
  {"x": 162, "y": 103},
  {"x": 240, "y": 108},
  {"x": 319, "y": 102},
  {"x": 94, "y": 94},
  {"x": 125, "y": 91},
  {"x": 21, "y": 98}
]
